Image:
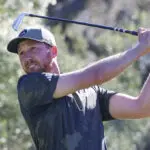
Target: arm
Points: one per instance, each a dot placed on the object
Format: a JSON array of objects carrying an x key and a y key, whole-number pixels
[
  {"x": 123, "y": 106},
  {"x": 101, "y": 71},
  {"x": 144, "y": 99}
]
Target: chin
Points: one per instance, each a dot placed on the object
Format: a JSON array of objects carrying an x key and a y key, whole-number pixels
[{"x": 35, "y": 70}]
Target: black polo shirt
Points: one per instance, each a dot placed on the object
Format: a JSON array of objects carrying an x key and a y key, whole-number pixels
[{"x": 72, "y": 122}]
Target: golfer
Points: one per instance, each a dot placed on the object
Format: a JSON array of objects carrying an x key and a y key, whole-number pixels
[{"x": 66, "y": 111}]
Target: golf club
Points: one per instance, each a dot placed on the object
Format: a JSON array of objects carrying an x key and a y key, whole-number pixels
[{"x": 19, "y": 20}]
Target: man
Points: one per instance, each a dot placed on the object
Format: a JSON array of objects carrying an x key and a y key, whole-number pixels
[{"x": 66, "y": 111}]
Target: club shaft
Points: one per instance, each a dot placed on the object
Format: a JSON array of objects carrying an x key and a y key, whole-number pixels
[{"x": 87, "y": 24}]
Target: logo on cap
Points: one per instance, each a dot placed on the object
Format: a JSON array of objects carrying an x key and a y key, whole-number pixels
[{"x": 23, "y": 33}]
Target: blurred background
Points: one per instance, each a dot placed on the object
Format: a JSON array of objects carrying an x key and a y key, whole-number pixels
[{"x": 78, "y": 46}]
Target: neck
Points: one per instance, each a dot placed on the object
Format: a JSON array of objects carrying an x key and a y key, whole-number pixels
[{"x": 54, "y": 68}]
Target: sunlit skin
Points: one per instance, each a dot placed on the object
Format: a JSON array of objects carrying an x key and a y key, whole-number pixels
[{"x": 37, "y": 57}]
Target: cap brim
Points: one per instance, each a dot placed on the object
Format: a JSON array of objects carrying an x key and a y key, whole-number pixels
[{"x": 13, "y": 44}]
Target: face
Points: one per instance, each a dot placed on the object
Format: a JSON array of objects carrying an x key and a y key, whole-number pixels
[{"x": 34, "y": 56}]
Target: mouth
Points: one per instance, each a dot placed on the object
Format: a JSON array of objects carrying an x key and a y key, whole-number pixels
[{"x": 31, "y": 67}]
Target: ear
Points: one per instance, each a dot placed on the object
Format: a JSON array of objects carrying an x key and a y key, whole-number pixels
[{"x": 54, "y": 51}]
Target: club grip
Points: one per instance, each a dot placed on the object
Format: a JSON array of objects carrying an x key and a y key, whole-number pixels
[{"x": 126, "y": 31}]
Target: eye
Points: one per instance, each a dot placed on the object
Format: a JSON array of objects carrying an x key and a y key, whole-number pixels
[
  {"x": 33, "y": 49},
  {"x": 21, "y": 53}
]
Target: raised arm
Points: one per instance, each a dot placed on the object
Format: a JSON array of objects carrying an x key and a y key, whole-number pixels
[
  {"x": 144, "y": 99},
  {"x": 123, "y": 106},
  {"x": 103, "y": 70}
]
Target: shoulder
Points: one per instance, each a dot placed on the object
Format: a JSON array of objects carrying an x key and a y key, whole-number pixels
[
  {"x": 36, "y": 88},
  {"x": 33, "y": 79},
  {"x": 36, "y": 82}
]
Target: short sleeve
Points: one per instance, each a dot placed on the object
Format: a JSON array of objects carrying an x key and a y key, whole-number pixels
[
  {"x": 104, "y": 100},
  {"x": 36, "y": 89}
]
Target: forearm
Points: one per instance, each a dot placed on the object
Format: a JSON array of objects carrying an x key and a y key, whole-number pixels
[{"x": 110, "y": 67}]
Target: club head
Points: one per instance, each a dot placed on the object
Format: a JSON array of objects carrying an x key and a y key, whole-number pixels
[{"x": 18, "y": 21}]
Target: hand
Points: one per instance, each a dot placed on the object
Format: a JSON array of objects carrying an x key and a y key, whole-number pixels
[{"x": 144, "y": 38}]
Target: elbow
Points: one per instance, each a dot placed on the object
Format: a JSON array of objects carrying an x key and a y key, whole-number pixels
[
  {"x": 94, "y": 76},
  {"x": 98, "y": 78},
  {"x": 143, "y": 105},
  {"x": 91, "y": 77},
  {"x": 142, "y": 102}
]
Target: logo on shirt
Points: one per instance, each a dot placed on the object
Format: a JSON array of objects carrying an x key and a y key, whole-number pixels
[{"x": 48, "y": 76}]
